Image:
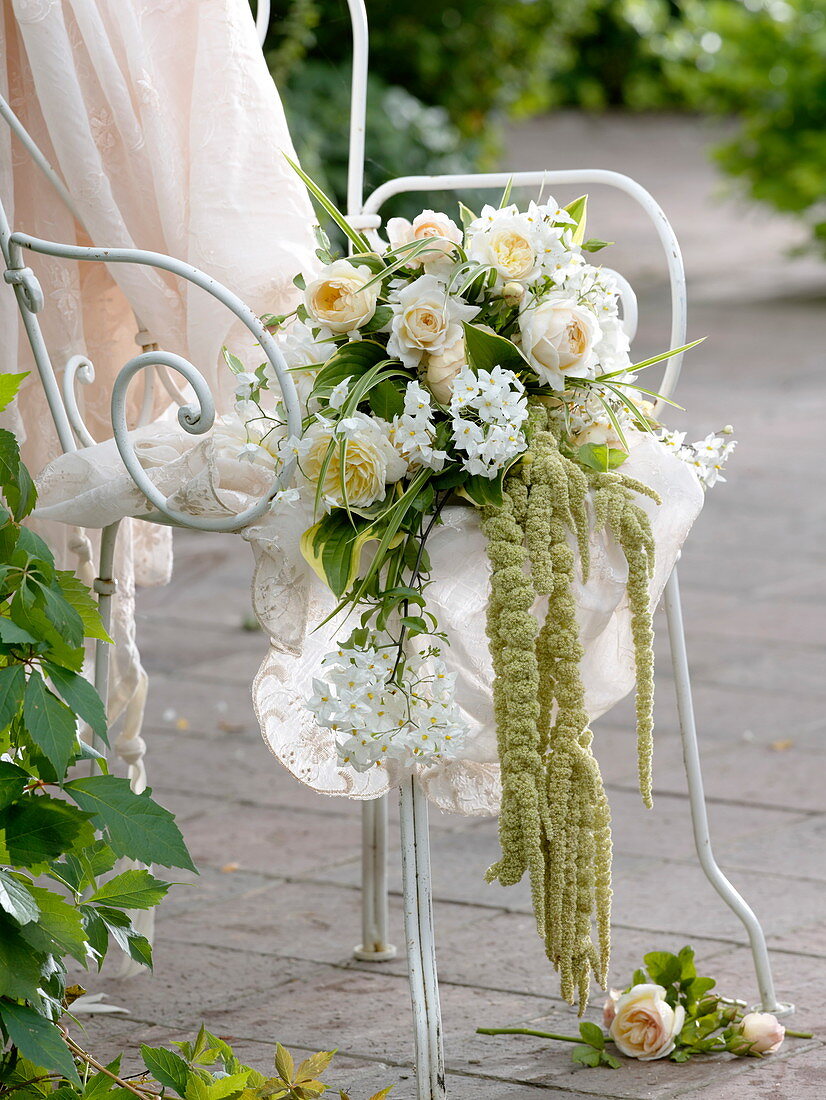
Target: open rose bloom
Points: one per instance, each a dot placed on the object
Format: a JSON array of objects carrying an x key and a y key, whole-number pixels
[{"x": 645, "y": 1026}]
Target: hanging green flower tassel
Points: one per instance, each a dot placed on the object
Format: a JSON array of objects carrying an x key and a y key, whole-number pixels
[{"x": 555, "y": 820}]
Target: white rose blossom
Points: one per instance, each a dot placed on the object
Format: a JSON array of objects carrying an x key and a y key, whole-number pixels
[
  {"x": 429, "y": 225},
  {"x": 371, "y": 462},
  {"x": 426, "y": 319},
  {"x": 645, "y": 1026},
  {"x": 521, "y": 247},
  {"x": 559, "y": 338},
  {"x": 338, "y": 297}
]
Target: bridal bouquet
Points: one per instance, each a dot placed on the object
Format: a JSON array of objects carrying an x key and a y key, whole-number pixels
[{"x": 484, "y": 362}]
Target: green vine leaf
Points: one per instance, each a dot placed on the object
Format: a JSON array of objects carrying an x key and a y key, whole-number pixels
[
  {"x": 136, "y": 889},
  {"x": 49, "y": 723},
  {"x": 38, "y": 1040},
  {"x": 80, "y": 696},
  {"x": 136, "y": 826},
  {"x": 166, "y": 1067},
  {"x": 12, "y": 690},
  {"x": 16, "y": 899}
]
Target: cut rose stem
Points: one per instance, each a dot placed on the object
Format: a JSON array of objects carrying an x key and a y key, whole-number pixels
[{"x": 529, "y": 1031}]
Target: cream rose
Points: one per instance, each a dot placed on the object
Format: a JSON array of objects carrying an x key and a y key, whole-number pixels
[
  {"x": 645, "y": 1026},
  {"x": 511, "y": 242},
  {"x": 370, "y": 460},
  {"x": 442, "y": 367},
  {"x": 426, "y": 319},
  {"x": 763, "y": 1032},
  {"x": 430, "y": 224},
  {"x": 558, "y": 338},
  {"x": 338, "y": 299}
]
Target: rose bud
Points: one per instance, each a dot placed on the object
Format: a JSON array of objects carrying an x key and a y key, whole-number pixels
[
  {"x": 513, "y": 293},
  {"x": 763, "y": 1032}
]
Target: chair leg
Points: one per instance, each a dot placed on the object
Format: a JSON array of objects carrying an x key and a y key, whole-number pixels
[
  {"x": 374, "y": 916},
  {"x": 421, "y": 946},
  {"x": 699, "y": 816}
]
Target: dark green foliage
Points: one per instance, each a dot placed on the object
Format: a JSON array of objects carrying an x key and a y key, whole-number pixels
[{"x": 58, "y": 836}]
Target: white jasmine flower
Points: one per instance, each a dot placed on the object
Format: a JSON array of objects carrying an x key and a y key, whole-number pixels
[
  {"x": 339, "y": 394},
  {"x": 245, "y": 384}
]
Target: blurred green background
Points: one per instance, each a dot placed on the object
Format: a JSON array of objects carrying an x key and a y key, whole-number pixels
[{"x": 446, "y": 75}]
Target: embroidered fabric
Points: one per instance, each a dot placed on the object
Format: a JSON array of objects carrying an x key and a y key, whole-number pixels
[
  {"x": 166, "y": 128},
  {"x": 290, "y": 602}
]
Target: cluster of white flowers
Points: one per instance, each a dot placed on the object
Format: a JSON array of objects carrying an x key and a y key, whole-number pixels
[
  {"x": 522, "y": 247},
  {"x": 414, "y": 430},
  {"x": 375, "y": 719},
  {"x": 707, "y": 457},
  {"x": 488, "y": 410}
]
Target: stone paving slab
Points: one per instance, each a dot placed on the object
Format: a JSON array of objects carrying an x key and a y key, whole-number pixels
[{"x": 259, "y": 944}]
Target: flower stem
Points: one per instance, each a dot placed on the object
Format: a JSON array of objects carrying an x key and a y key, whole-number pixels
[
  {"x": 529, "y": 1031},
  {"x": 799, "y": 1034}
]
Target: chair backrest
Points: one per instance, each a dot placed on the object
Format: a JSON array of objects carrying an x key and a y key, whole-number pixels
[{"x": 195, "y": 418}]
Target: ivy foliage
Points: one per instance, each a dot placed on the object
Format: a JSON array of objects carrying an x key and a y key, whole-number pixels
[
  {"x": 204, "y": 1069},
  {"x": 61, "y": 833}
]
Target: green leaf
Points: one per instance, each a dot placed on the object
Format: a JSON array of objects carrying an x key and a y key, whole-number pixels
[
  {"x": 49, "y": 723},
  {"x": 80, "y": 597},
  {"x": 9, "y": 386},
  {"x": 60, "y": 927},
  {"x": 380, "y": 318},
  {"x": 592, "y": 1034},
  {"x": 284, "y": 1064},
  {"x": 578, "y": 209},
  {"x": 486, "y": 350},
  {"x": 166, "y": 1067},
  {"x": 61, "y": 614},
  {"x": 137, "y": 889},
  {"x": 329, "y": 207},
  {"x": 38, "y": 1040},
  {"x": 664, "y": 968},
  {"x": 687, "y": 967},
  {"x": 351, "y": 360},
  {"x": 595, "y": 245},
  {"x": 15, "y": 481},
  {"x": 333, "y": 547},
  {"x": 137, "y": 826},
  {"x": 314, "y": 1066},
  {"x": 12, "y": 634},
  {"x": 466, "y": 215},
  {"x": 386, "y": 400},
  {"x": 39, "y": 829},
  {"x": 12, "y": 689},
  {"x": 17, "y": 900},
  {"x": 13, "y": 781},
  {"x": 97, "y": 932},
  {"x": 81, "y": 697},
  {"x": 598, "y": 456},
  {"x": 586, "y": 1055},
  {"x": 20, "y": 967}
]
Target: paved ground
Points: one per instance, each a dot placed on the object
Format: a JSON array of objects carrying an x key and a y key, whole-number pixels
[{"x": 259, "y": 948}]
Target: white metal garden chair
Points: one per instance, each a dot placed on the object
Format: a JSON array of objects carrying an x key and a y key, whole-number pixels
[{"x": 197, "y": 417}]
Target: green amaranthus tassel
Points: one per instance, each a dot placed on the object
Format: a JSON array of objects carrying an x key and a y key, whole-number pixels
[{"x": 555, "y": 820}]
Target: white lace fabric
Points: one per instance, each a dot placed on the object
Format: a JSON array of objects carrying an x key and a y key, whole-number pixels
[
  {"x": 164, "y": 124},
  {"x": 291, "y": 603}
]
